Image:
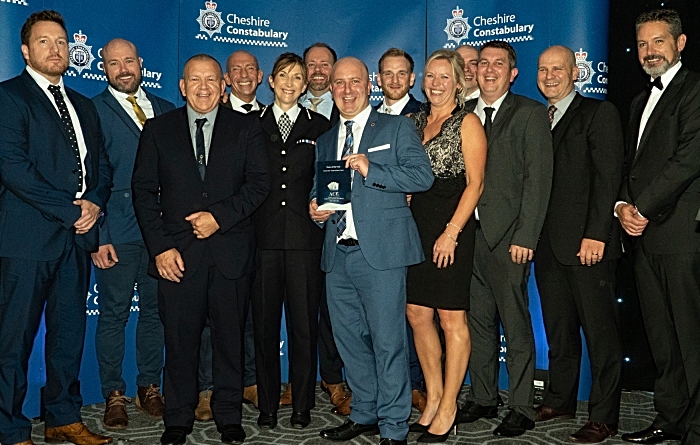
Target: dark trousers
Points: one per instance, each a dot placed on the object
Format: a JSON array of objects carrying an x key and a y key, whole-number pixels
[
  {"x": 499, "y": 287},
  {"x": 330, "y": 363},
  {"x": 669, "y": 296},
  {"x": 116, "y": 291},
  {"x": 26, "y": 286},
  {"x": 184, "y": 308},
  {"x": 368, "y": 311},
  {"x": 292, "y": 277},
  {"x": 575, "y": 297}
]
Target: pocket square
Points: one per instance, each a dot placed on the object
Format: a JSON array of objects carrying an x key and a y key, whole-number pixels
[{"x": 379, "y": 148}]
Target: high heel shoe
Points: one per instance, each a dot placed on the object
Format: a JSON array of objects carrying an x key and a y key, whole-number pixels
[
  {"x": 428, "y": 437},
  {"x": 416, "y": 427}
]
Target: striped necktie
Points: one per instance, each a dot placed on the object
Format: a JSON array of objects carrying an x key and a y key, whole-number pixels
[{"x": 347, "y": 150}]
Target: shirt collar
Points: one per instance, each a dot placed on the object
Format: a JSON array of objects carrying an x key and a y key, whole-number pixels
[
  {"x": 42, "y": 81},
  {"x": 668, "y": 76},
  {"x": 325, "y": 96},
  {"x": 474, "y": 95},
  {"x": 360, "y": 120},
  {"x": 398, "y": 107},
  {"x": 293, "y": 112},
  {"x": 193, "y": 115},
  {"x": 139, "y": 94},
  {"x": 237, "y": 104},
  {"x": 480, "y": 104},
  {"x": 564, "y": 104}
]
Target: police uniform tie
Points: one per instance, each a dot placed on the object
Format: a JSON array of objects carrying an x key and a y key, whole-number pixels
[
  {"x": 347, "y": 151},
  {"x": 285, "y": 125},
  {"x": 199, "y": 140},
  {"x": 68, "y": 125},
  {"x": 137, "y": 109}
]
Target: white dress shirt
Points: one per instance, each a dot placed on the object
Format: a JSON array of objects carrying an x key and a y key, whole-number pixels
[
  {"x": 237, "y": 104},
  {"x": 44, "y": 83},
  {"x": 141, "y": 100},
  {"x": 397, "y": 108},
  {"x": 293, "y": 113},
  {"x": 474, "y": 94},
  {"x": 325, "y": 107},
  {"x": 358, "y": 127}
]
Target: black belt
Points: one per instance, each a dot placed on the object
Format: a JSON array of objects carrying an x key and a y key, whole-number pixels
[{"x": 348, "y": 242}]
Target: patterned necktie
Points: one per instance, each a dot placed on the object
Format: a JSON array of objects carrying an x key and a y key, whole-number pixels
[
  {"x": 68, "y": 125},
  {"x": 552, "y": 109},
  {"x": 247, "y": 107},
  {"x": 199, "y": 139},
  {"x": 488, "y": 123},
  {"x": 347, "y": 150},
  {"x": 137, "y": 109},
  {"x": 285, "y": 125},
  {"x": 315, "y": 101}
]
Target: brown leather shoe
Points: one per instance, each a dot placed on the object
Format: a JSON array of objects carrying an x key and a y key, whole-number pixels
[
  {"x": 203, "y": 411},
  {"x": 594, "y": 432},
  {"x": 149, "y": 401},
  {"x": 250, "y": 395},
  {"x": 76, "y": 433},
  {"x": 340, "y": 398},
  {"x": 286, "y": 398},
  {"x": 115, "y": 417},
  {"x": 544, "y": 413},
  {"x": 418, "y": 400}
]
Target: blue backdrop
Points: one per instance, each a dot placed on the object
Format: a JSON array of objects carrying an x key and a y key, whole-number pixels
[{"x": 168, "y": 32}]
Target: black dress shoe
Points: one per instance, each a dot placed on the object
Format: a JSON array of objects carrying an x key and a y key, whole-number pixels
[
  {"x": 232, "y": 433},
  {"x": 472, "y": 411},
  {"x": 387, "y": 441},
  {"x": 416, "y": 427},
  {"x": 650, "y": 435},
  {"x": 514, "y": 424},
  {"x": 267, "y": 420},
  {"x": 349, "y": 430},
  {"x": 300, "y": 419},
  {"x": 175, "y": 435}
]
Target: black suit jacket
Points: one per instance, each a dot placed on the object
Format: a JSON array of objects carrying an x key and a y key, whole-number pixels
[
  {"x": 518, "y": 175},
  {"x": 167, "y": 188},
  {"x": 283, "y": 221},
  {"x": 588, "y": 158},
  {"x": 412, "y": 107},
  {"x": 38, "y": 174},
  {"x": 663, "y": 175}
]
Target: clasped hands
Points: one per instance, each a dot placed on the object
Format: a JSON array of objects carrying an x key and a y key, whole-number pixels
[
  {"x": 630, "y": 219},
  {"x": 170, "y": 264},
  {"x": 89, "y": 213}
]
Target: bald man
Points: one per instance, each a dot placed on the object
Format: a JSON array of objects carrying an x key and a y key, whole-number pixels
[{"x": 123, "y": 108}]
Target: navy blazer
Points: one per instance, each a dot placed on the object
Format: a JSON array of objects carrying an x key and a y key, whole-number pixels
[
  {"x": 413, "y": 106},
  {"x": 384, "y": 223},
  {"x": 39, "y": 178},
  {"x": 121, "y": 136}
]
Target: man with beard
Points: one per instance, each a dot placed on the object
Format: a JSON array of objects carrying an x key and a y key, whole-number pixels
[
  {"x": 122, "y": 259},
  {"x": 55, "y": 180},
  {"x": 319, "y": 59},
  {"x": 470, "y": 55},
  {"x": 659, "y": 200}
]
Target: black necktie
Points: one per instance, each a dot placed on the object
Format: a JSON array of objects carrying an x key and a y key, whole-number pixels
[
  {"x": 199, "y": 139},
  {"x": 68, "y": 125},
  {"x": 487, "y": 122},
  {"x": 247, "y": 107}
]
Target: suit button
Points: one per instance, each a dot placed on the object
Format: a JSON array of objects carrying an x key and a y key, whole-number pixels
[
  {"x": 205, "y": 195},
  {"x": 284, "y": 152},
  {"x": 126, "y": 195},
  {"x": 284, "y": 186},
  {"x": 284, "y": 203},
  {"x": 634, "y": 178},
  {"x": 284, "y": 169}
]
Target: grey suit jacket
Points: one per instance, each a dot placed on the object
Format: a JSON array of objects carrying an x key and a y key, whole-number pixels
[{"x": 518, "y": 176}]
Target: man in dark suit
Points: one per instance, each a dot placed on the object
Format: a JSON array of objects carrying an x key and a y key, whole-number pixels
[
  {"x": 55, "y": 179},
  {"x": 122, "y": 259},
  {"x": 396, "y": 77},
  {"x": 366, "y": 252},
  {"x": 659, "y": 199},
  {"x": 578, "y": 249},
  {"x": 510, "y": 212},
  {"x": 470, "y": 56},
  {"x": 200, "y": 172}
]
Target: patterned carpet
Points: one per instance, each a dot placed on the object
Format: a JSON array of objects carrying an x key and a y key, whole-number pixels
[{"x": 637, "y": 412}]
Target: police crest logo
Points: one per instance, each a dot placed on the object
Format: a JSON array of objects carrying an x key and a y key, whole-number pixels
[
  {"x": 210, "y": 20},
  {"x": 457, "y": 28},
  {"x": 79, "y": 54},
  {"x": 585, "y": 69}
]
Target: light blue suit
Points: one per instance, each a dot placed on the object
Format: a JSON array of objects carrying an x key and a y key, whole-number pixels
[{"x": 366, "y": 284}]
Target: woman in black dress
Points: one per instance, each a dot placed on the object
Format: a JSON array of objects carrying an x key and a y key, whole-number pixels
[
  {"x": 290, "y": 248},
  {"x": 456, "y": 145}
]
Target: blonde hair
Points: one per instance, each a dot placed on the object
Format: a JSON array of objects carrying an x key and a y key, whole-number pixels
[{"x": 457, "y": 70}]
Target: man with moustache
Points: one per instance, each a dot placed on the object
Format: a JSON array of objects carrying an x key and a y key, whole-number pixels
[
  {"x": 366, "y": 252},
  {"x": 510, "y": 212},
  {"x": 200, "y": 172},
  {"x": 470, "y": 55},
  {"x": 319, "y": 59},
  {"x": 659, "y": 200},
  {"x": 55, "y": 180},
  {"x": 122, "y": 260},
  {"x": 578, "y": 249}
]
